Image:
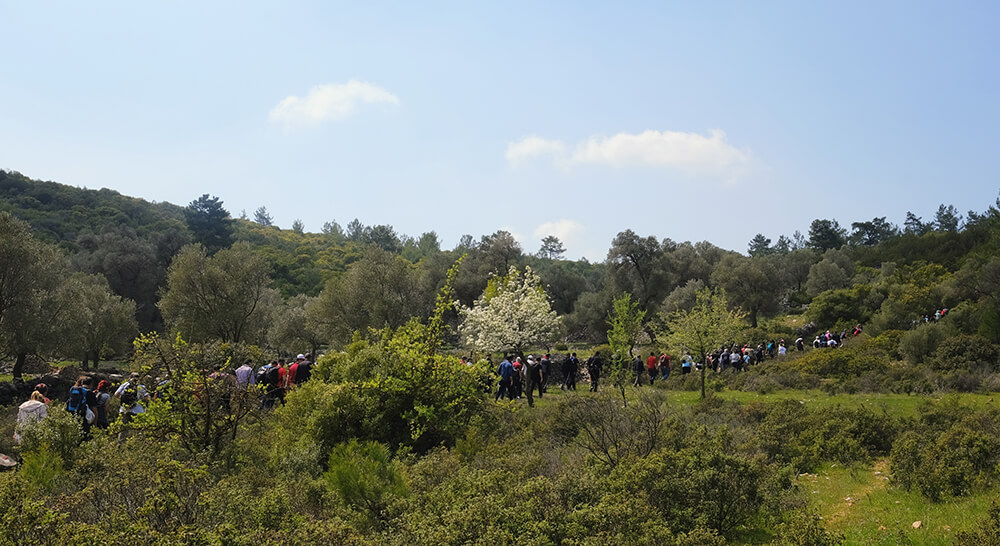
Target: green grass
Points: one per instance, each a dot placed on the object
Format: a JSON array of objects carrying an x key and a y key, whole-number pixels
[
  {"x": 862, "y": 504},
  {"x": 896, "y": 405}
]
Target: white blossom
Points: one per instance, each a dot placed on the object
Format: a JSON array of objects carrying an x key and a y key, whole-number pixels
[{"x": 512, "y": 314}]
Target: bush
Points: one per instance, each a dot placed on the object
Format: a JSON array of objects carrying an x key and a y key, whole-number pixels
[
  {"x": 952, "y": 462},
  {"x": 919, "y": 344},
  {"x": 365, "y": 478},
  {"x": 971, "y": 353},
  {"x": 59, "y": 433}
]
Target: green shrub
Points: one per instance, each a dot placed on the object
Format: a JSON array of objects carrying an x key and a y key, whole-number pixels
[
  {"x": 919, "y": 344},
  {"x": 59, "y": 432},
  {"x": 950, "y": 463},
  {"x": 365, "y": 478},
  {"x": 804, "y": 528},
  {"x": 967, "y": 352}
]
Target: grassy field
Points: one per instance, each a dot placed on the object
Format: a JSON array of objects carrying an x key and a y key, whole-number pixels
[
  {"x": 896, "y": 405},
  {"x": 861, "y": 504}
]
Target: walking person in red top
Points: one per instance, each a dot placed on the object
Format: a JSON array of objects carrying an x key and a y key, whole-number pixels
[{"x": 651, "y": 362}]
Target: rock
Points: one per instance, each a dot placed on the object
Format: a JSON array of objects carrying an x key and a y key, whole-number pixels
[{"x": 917, "y": 524}]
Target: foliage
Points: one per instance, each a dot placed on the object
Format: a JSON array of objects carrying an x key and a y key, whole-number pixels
[
  {"x": 209, "y": 223},
  {"x": 625, "y": 327},
  {"x": 200, "y": 406},
  {"x": 953, "y": 460},
  {"x": 752, "y": 284},
  {"x": 223, "y": 297},
  {"x": 707, "y": 325},
  {"x": 364, "y": 477},
  {"x": 518, "y": 315},
  {"x": 58, "y": 435}
]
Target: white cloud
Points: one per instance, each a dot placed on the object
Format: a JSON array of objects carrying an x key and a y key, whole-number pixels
[
  {"x": 691, "y": 153},
  {"x": 330, "y": 102},
  {"x": 688, "y": 152},
  {"x": 531, "y": 147},
  {"x": 565, "y": 229}
]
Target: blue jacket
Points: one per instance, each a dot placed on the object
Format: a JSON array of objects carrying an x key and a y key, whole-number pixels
[{"x": 506, "y": 369}]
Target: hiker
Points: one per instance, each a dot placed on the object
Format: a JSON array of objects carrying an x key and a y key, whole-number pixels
[
  {"x": 664, "y": 366},
  {"x": 103, "y": 397},
  {"x": 81, "y": 403},
  {"x": 133, "y": 395},
  {"x": 533, "y": 378},
  {"x": 569, "y": 368},
  {"x": 651, "y": 362},
  {"x": 594, "y": 367},
  {"x": 34, "y": 409},
  {"x": 505, "y": 387},
  {"x": 545, "y": 367},
  {"x": 305, "y": 369},
  {"x": 245, "y": 376},
  {"x": 637, "y": 371}
]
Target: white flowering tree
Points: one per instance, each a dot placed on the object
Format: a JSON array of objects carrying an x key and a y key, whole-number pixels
[{"x": 513, "y": 313}]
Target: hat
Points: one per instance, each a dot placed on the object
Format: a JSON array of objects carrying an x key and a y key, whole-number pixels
[{"x": 300, "y": 357}]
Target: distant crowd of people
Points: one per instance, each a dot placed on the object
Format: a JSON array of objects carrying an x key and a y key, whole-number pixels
[
  {"x": 522, "y": 377},
  {"x": 90, "y": 402}
]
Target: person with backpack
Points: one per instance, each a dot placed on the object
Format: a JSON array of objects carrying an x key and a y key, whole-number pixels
[
  {"x": 81, "y": 402},
  {"x": 305, "y": 369},
  {"x": 132, "y": 394},
  {"x": 594, "y": 368},
  {"x": 103, "y": 397}
]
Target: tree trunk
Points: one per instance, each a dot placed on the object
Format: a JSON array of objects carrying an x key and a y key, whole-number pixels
[
  {"x": 19, "y": 365},
  {"x": 85, "y": 361},
  {"x": 753, "y": 317},
  {"x": 704, "y": 366},
  {"x": 97, "y": 358}
]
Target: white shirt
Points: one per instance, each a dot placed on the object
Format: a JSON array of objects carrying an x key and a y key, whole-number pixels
[{"x": 141, "y": 394}]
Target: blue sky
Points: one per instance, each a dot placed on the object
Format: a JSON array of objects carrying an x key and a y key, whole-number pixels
[{"x": 695, "y": 121}]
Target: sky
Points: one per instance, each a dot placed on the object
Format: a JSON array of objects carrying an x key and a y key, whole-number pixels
[{"x": 689, "y": 120}]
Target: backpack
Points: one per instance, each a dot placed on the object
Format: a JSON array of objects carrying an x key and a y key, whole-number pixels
[
  {"x": 77, "y": 400},
  {"x": 271, "y": 377}
]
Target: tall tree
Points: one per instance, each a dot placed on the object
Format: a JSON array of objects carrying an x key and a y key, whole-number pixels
[
  {"x": 552, "y": 248},
  {"x": 826, "y": 234},
  {"x": 636, "y": 265},
  {"x": 95, "y": 319},
  {"x": 289, "y": 329},
  {"x": 210, "y": 224},
  {"x": 262, "y": 217},
  {"x": 223, "y": 297},
  {"x": 947, "y": 218},
  {"x": 381, "y": 289},
  {"x": 512, "y": 314},
  {"x": 872, "y": 232},
  {"x": 625, "y": 328},
  {"x": 31, "y": 308},
  {"x": 760, "y": 246},
  {"x": 500, "y": 251},
  {"x": 751, "y": 283},
  {"x": 707, "y": 325},
  {"x": 914, "y": 226}
]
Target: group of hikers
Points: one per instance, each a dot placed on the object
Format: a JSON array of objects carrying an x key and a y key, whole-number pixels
[
  {"x": 87, "y": 401},
  {"x": 521, "y": 377},
  {"x": 90, "y": 402}
]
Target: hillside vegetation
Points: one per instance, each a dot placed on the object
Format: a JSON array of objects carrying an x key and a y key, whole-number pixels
[{"x": 395, "y": 440}]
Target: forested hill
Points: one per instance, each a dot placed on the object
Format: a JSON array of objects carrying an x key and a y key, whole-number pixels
[{"x": 321, "y": 287}]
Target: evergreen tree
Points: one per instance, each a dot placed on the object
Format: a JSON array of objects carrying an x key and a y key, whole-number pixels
[{"x": 210, "y": 223}]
